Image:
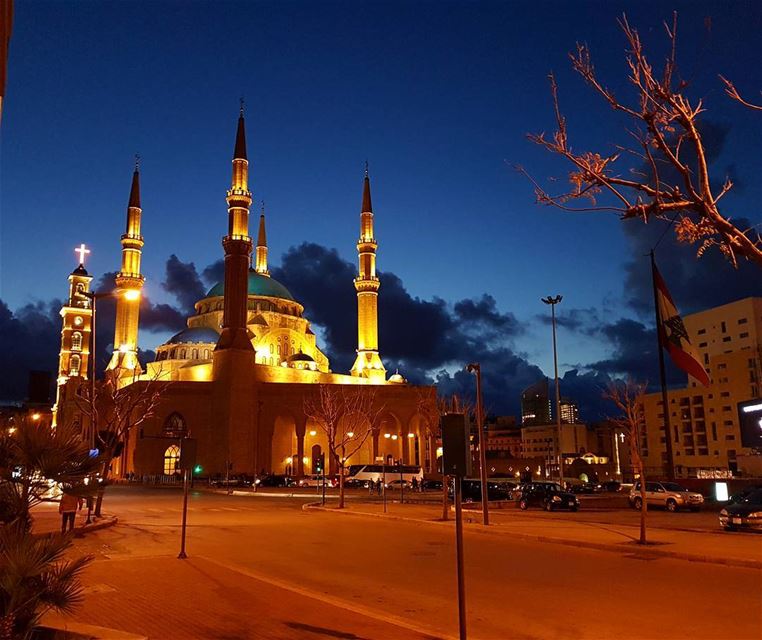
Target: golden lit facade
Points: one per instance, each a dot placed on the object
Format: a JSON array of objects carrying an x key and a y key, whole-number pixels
[
  {"x": 368, "y": 362},
  {"x": 76, "y": 326},
  {"x": 704, "y": 425},
  {"x": 240, "y": 371},
  {"x": 129, "y": 284}
]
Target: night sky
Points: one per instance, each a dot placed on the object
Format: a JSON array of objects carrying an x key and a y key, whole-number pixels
[{"x": 438, "y": 97}]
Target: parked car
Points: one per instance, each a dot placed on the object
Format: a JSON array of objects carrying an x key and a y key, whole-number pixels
[
  {"x": 585, "y": 487},
  {"x": 317, "y": 481},
  {"x": 431, "y": 485},
  {"x": 397, "y": 483},
  {"x": 548, "y": 495},
  {"x": 275, "y": 480},
  {"x": 609, "y": 486},
  {"x": 746, "y": 514},
  {"x": 669, "y": 495},
  {"x": 743, "y": 493}
]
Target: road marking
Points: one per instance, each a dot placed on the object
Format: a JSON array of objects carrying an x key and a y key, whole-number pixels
[{"x": 336, "y": 602}]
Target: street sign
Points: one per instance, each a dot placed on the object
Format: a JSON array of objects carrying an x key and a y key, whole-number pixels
[
  {"x": 188, "y": 448},
  {"x": 456, "y": 448}
]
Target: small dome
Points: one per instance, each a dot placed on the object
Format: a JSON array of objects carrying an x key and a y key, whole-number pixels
[
  {"x": 203, "y": 335},
  {"x": 300, "y": 357},
  {"x": 397, "y": 378},
  {"x": 259, "y": 285}
]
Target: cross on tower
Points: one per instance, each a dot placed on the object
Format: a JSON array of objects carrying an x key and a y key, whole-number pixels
[{"x": 82, "y": 251}]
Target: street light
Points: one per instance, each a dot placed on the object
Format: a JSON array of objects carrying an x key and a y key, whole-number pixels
[
  {"x": 476, "y": 368},
  {"x": 553, "y": 302}
]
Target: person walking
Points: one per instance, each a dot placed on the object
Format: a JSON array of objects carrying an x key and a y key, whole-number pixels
[{"x": 68, "y": 508}]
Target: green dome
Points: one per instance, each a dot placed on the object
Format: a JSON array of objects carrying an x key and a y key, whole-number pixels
[{"x": 259, "y": 285}]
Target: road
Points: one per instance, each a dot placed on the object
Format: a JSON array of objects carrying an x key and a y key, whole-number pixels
[{"x": 405, "y": 570}]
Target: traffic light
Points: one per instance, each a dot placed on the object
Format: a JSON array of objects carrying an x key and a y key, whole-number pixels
[
  {"x": 320, "y": 463},
  {"x": 198, "y": 469}
]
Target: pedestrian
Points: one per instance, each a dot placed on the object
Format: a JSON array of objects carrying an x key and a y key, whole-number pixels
[
  {"x": 68, "y": 508},
  {"x": 378, "y": 486},
  {"x": 371, "y": 487},
  {"x": 415, "y": 484}
]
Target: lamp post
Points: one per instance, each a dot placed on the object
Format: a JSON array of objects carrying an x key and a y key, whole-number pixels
[
  {"x": 553, "y": 302},
  {"x": 476, "y": 368}
]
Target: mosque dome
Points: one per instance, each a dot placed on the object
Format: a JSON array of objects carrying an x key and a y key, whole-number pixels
[
  {"x": 300, "y": 357},
  {"x": 259, "y": 285},
  {"x": 204, "y": 335},
  {"x": 397, "y": 378}
]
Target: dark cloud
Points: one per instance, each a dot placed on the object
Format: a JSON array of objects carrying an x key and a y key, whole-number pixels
[
  {"x": 29, "y": 341},
  {"x": 214, "y": 273},
  {"x": 420, "y": 337},
  {"x": 182, "y": 281},
  {"x": 586, "y": 321}
]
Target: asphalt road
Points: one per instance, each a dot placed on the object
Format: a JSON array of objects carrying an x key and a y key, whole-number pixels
[{"x": 406, "y": 570}]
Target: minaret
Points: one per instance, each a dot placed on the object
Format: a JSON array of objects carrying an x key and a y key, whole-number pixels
[
  {"x": 76, "y": 314},
  {"x": 237, "y": 245},
  {"x": 368, "y": 363},
  {"x": 129, "y": 284},
  {"x": 261, "y": 257}
]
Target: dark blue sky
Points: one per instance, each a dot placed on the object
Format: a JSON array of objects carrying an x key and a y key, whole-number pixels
[{"x": 438, "y": 96}]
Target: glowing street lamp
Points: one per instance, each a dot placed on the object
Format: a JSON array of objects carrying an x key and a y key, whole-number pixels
[{"x": 553, "y": 302}]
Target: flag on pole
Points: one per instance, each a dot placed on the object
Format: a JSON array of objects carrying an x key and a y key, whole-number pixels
[{"x": 673, "y": 336}]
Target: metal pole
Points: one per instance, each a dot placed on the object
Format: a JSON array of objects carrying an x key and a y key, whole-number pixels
[
  {"x": 663, "y": 378},
  {"x": 402, "y": 485},
  {"x": 459, "y": 556},
  {"x": 92, "y": 376},
  {"x": 482, "y": 447},
  {"x": 182, "y": 555},
  {"x": 383, "y": 483}
]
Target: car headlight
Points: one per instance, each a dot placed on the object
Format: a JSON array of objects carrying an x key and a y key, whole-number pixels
[{"x": 755, "y": 514}]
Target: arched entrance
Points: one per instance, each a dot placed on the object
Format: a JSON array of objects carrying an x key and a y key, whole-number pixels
[
  {"x": 171, "y": 460},
  {"x": 284, "y": 446}
]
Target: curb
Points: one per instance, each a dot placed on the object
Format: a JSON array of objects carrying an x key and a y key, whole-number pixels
[
  {"x": 104, "y": 523},
  {"x": 601, "y": 546},
  {"x": 89, "y": 631}
]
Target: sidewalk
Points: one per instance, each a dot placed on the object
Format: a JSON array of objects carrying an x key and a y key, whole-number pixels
[
  {"x": 739, "y": 549},
  {"x": 164, "y": 598},
  {"x": 46, "y": 519}
]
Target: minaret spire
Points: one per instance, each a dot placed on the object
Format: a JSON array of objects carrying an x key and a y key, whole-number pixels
[
  {"x": 237, "y": 245},
  {"x": 261, "y": 258},
  {"x": 368, "y": 363},
  {"x": 129, "y": 284}
]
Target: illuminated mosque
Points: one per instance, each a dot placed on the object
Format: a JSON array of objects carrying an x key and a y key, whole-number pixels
[{"x": 239, "y": 373}]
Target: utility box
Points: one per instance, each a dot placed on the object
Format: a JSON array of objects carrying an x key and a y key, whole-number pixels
[
  {"x": 188, "y": 447},
  {"x": 456, "y": 446}
]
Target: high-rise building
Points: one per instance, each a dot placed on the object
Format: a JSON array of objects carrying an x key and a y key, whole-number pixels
[
  {"x": 569, "y": 411},
  {"x": 535, "y": 404},
  {"x": 703, "y": 421}
]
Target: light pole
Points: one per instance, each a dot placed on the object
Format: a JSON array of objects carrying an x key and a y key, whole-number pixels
[
  {"x": 553, "y": 302},
  {"x": 476, "y": 368}
]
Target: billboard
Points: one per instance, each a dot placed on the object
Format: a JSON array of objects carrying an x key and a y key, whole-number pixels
[{"x": 750, "y": 419}]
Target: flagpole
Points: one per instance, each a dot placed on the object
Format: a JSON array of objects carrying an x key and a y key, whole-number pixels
[{"x": 662, "y": 376}]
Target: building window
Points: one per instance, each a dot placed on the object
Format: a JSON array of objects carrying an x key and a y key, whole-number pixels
[
  {"x": 724, "y": 394},
  {"x": 174, "y": 426},
  {"x": 206, "y": 354},
  {"x": 742, "y": 320},
  {"x": 701, "y": 332},
  {"x": 171, "y": 460},
  {"x": 730, "y": 436},
  {"x": 195, "y": 354},
  {"x": 744, "y": 335},
  {"x": 76, "y": 341},
  {"x": 702, "y": 344},
  {"x": 726, "y": 339},
  {"x": 723, "y": 327},
  {"x": 74, "y": 364}
]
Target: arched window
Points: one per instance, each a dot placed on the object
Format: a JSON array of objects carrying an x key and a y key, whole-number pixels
[
  {"x": 195, "y": 354},
  {"x": 172, "y": 354},
  {"x": 206, "y": 354},
  {"x": 174, "y": 426},
  {"x": 171, "y": 460},
  {"x": 74, "y": 364},
  {"x": 181, "y": 355},
  {"x": 76, "y": 341}
]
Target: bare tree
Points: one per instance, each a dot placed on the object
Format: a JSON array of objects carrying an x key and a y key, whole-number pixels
[
  {"x": 664, "y": 172},
  {"x": 346, "y": 414},
  {"x": 114, "y": 411},
  {"x": 631, "y": 421}
]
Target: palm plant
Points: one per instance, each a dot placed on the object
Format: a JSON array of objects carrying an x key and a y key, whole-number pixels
[{"x": 35, "y": 576}]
